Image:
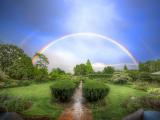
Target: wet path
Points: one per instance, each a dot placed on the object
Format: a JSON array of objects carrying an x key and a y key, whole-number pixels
[{"x": 77, "y": 110}]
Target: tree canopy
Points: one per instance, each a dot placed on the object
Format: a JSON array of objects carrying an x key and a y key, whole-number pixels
[
  {"x": 9, "y": 54},
  {"x": 89, "y": 68},
  {"x": 108, "y": 70}
]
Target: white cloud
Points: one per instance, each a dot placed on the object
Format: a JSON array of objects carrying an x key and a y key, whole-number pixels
[
  {"x": 100, "y": 66},
  {"x": 95, "y": 16},
  {"x": 66, "y": 54}
]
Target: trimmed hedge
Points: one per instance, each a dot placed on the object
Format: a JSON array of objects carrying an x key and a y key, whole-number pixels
[
  {"x": 62, "y": 90},
  {"x": 94, "y": 90}
]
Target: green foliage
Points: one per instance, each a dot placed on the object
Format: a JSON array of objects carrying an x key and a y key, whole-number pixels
[
  {"x": 42, "y": 61},
  {"x": 146, "y": 102},
  {"x": 150, "y": 66},
  {"x": 17, "y": 104},
  {"x": 99, "y": 76},
  {"x": 41, "y": 74},
  {"x": 121, "y": 78},
  {"x": 8, "y": 54},
  {"x": 108, "y": 70},
  {"x": 125, "y": 68},
  {"x": 80, "y": 69},
  {"x": 40, "y": 95},
  {"x": 40, "y": 69},
  {"x": 134, "y": 74},
  {"x": 9, "y": 83},
  {"x": 145, "y": 76},
  {"x": 3, "y": 76},
  {"x": 94, "y": 90},
  {"x": 57, "y": 74},
  {"x": 155, "y": 78},
  {"x": 89, "y": 68},
  {"x": 154, "y": 91},
  {"x": 62, "y": 90},
  {"x": 141, "y": 85},
  {"x": 83, "y": 69},
  {"x": 21, "y": 68}
]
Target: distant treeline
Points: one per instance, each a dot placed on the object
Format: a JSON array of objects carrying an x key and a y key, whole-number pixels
[{"x": 150, "y": 66}]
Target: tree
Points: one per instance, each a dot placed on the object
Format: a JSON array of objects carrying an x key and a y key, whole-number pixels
[
  {"x": 80, "y": 69},
  {"x": 22, "y": 68},
  {"x": 8, "y": 54},
  {"x": 56, "y": 73},
  {"x": 41, "y": 70},
  {"x": 42, "y": 61},
  {"x": 125, "y": 68},
  {"x": 108, "y": 70},
  {"x": 89, "y": 68},
  {"x": 41, "y": 74}
]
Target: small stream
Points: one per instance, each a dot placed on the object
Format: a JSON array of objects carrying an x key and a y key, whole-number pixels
[{"x": 77, "y": 109}]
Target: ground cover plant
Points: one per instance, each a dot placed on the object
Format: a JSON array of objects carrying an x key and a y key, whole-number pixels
[{"x": 94, "y": 90}]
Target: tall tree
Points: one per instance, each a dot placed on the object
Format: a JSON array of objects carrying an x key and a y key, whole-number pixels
[
  {"x": 42, "y": 61},
  {"x": 22, "y": 68},
  {"x": 125, "y": 68},
  {"x": 89, "y": 68},
  {"x": 8, "y": 54},
  {"x": 80, "y": 69},
  {"x": 108, "y": 70},
  {"x": 41, "y": 70}
]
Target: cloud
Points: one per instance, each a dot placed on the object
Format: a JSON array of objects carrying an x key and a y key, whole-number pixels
[
  {"x": 100, "y": 66},
  {"x": 93, "y": 16},
  {"x": 69, "y": 52}
]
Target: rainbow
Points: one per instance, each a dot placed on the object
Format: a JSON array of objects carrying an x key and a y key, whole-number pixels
[{"x": 123, "y": 48}]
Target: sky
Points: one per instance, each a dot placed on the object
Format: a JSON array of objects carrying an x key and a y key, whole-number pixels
[{"x": 32, "y": 24}]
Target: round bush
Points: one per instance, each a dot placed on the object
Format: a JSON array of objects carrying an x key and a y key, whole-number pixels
[
  {"x": 62, "y": 90},
  {"x": 120, "y": 78},
  {"x": 94, "y": 90}
]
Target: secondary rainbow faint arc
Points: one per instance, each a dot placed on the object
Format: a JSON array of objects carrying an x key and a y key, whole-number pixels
[{"x": 123, "y": 48}]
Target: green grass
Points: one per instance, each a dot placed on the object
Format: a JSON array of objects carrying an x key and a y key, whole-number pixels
[
  {"x": 41, "y": 98},
  {"x": 42, "y": 106},
  {"x": 113, "y": 109}
]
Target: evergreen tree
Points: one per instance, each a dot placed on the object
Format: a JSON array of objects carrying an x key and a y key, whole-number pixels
[
  {"x": 89, "y": 68},
  {"x": 125, "y": 68}
]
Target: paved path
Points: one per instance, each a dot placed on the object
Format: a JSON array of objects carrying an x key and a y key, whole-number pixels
[{"x": 77, "y": 110}]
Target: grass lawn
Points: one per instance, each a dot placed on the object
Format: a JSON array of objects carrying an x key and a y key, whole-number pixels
[
  {"x": 41, "y": 97},
  {"x": 113, "y": 109}
]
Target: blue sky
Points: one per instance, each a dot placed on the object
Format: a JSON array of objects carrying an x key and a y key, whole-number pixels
[{"x": 31, "y": 24}]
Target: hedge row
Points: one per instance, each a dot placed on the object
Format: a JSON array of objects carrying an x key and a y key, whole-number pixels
[
  {"x": 62, "y": 90},
  {"x": 94, "y": 90}
]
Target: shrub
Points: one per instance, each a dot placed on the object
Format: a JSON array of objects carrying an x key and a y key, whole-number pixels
[
  {"x": 134, "y": 74},
  {"x": 145, "y": 76},
  {"x": 94, "y": 90},
  {"x": 120, "y": 78},
  {"x": 14, "y": 83},
  {"x": 94, "y": 76},
  {"x": 62, "y": 90},
  {"x": 154, "y": 91},
  {"x": 41, "y": 74},
  {"x": 3, "y": 76},
  {"x": 141, "y": 85},
  {"x": 156, "y": 78},
  {"x": 17, "y": 104},
  {"x": 146, "y": 102}
]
